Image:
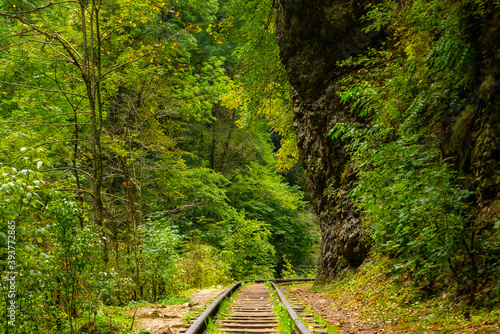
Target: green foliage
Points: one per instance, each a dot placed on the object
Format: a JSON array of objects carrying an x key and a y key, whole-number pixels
[
  {"x": 20, "y": 196},
  {"x": 260, "y": 88},
  {"x": 160, "y": 254},
  {"x": 56, "y": 267},
  {"x": 203, "y": 266},
  {"x": 413, "y": 208},
  {"x": 122, "y": 100},
  {"x": 247, "y": 248},
  {"x": 413, "y": 204},
  {"x": 263, "y": 195},
  {"x": 288, "y": 271},
  {"x": 75, "y": 276}
]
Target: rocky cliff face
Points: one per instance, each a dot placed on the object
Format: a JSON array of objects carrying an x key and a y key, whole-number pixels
[{"x": 313, "y": 36}]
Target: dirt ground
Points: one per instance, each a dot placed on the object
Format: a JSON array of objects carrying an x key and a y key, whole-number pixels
[
  {"x": 168, "y": 319},
  {"x": 347, "y": 320}
]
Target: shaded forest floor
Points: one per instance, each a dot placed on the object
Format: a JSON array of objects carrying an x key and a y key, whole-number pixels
[{"x": 371, "y": 301}]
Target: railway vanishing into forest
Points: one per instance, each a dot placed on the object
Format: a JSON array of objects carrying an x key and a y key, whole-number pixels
[{"x": 254, "y": 310}]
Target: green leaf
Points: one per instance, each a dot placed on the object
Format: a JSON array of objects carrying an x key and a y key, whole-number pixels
[{"x": 497, "y": 224}]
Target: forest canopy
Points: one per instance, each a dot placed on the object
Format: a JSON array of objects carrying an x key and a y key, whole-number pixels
[
  {"x": 130, "y": 166},
  {"x": 149, "y": 148}
]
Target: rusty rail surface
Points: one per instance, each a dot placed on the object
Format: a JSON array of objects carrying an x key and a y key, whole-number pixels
[{"x": 259, "y": 322}]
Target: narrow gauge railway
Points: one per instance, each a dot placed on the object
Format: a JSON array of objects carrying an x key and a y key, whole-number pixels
[{"x": 253, "y": 312}]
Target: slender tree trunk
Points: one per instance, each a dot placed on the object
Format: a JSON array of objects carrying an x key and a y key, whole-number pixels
[
  {"x": 133, "y": 217},
  {"x": 77, "y": 175},
  {"x": 212, "y": 147},
  {"x": 89, "y": 68},
  {"x": 226, "y": 144}
]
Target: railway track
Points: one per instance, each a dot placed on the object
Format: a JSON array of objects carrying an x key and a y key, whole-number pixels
[{"x": 252, "y": 312}]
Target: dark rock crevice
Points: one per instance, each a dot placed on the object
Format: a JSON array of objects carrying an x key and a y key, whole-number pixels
[{"x": 313, "y": 36}]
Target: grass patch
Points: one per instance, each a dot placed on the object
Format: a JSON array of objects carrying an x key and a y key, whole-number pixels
[
  {"x": 190, "y": 314},
  {"x": 211, "y": 326},
  {"x": 330, "y": 328},
  {"x": 109, "y": 319}
]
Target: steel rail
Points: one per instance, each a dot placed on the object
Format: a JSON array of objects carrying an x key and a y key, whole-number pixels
[
  {"x": 200, "y": 323},
  {"x": 299, "y": 326}
]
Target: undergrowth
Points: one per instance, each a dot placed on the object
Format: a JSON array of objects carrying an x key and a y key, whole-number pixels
[
  {"x": 396, "y": 304},
  {"x": 415, "y": 207}
]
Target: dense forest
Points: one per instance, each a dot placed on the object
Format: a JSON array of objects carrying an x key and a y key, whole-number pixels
[
  {"x": 152, "y": 147},
  {"x": 398, "y": 124}
]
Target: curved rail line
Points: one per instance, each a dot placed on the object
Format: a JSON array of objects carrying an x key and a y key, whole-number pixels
[{"x": 252, "y": 312}]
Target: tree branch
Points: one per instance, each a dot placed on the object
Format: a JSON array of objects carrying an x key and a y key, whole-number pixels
[
  {"x": 77, "y": 190},
  {"x": 38, "y": 58},
  {"x": 111, "y": 195},
  {"x": 59, "y": 141},
  {"x": 71, "y": 59},
  {"x": 48, "y": 116},
  {"x": 63, "y": 43},
  {"x": 173, "y": 210},
  {"x": 36, "y": 8},
  {"x": 42, "y": 89},
  {"x": 41, "y": 124},
  {"x": 69, "y": 44},
  {"x": 68, "y": 168},
  {"x": 142, "y": 56}
]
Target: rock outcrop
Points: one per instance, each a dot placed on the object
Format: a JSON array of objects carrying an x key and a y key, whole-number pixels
[{"x": 313, "y": 36}]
